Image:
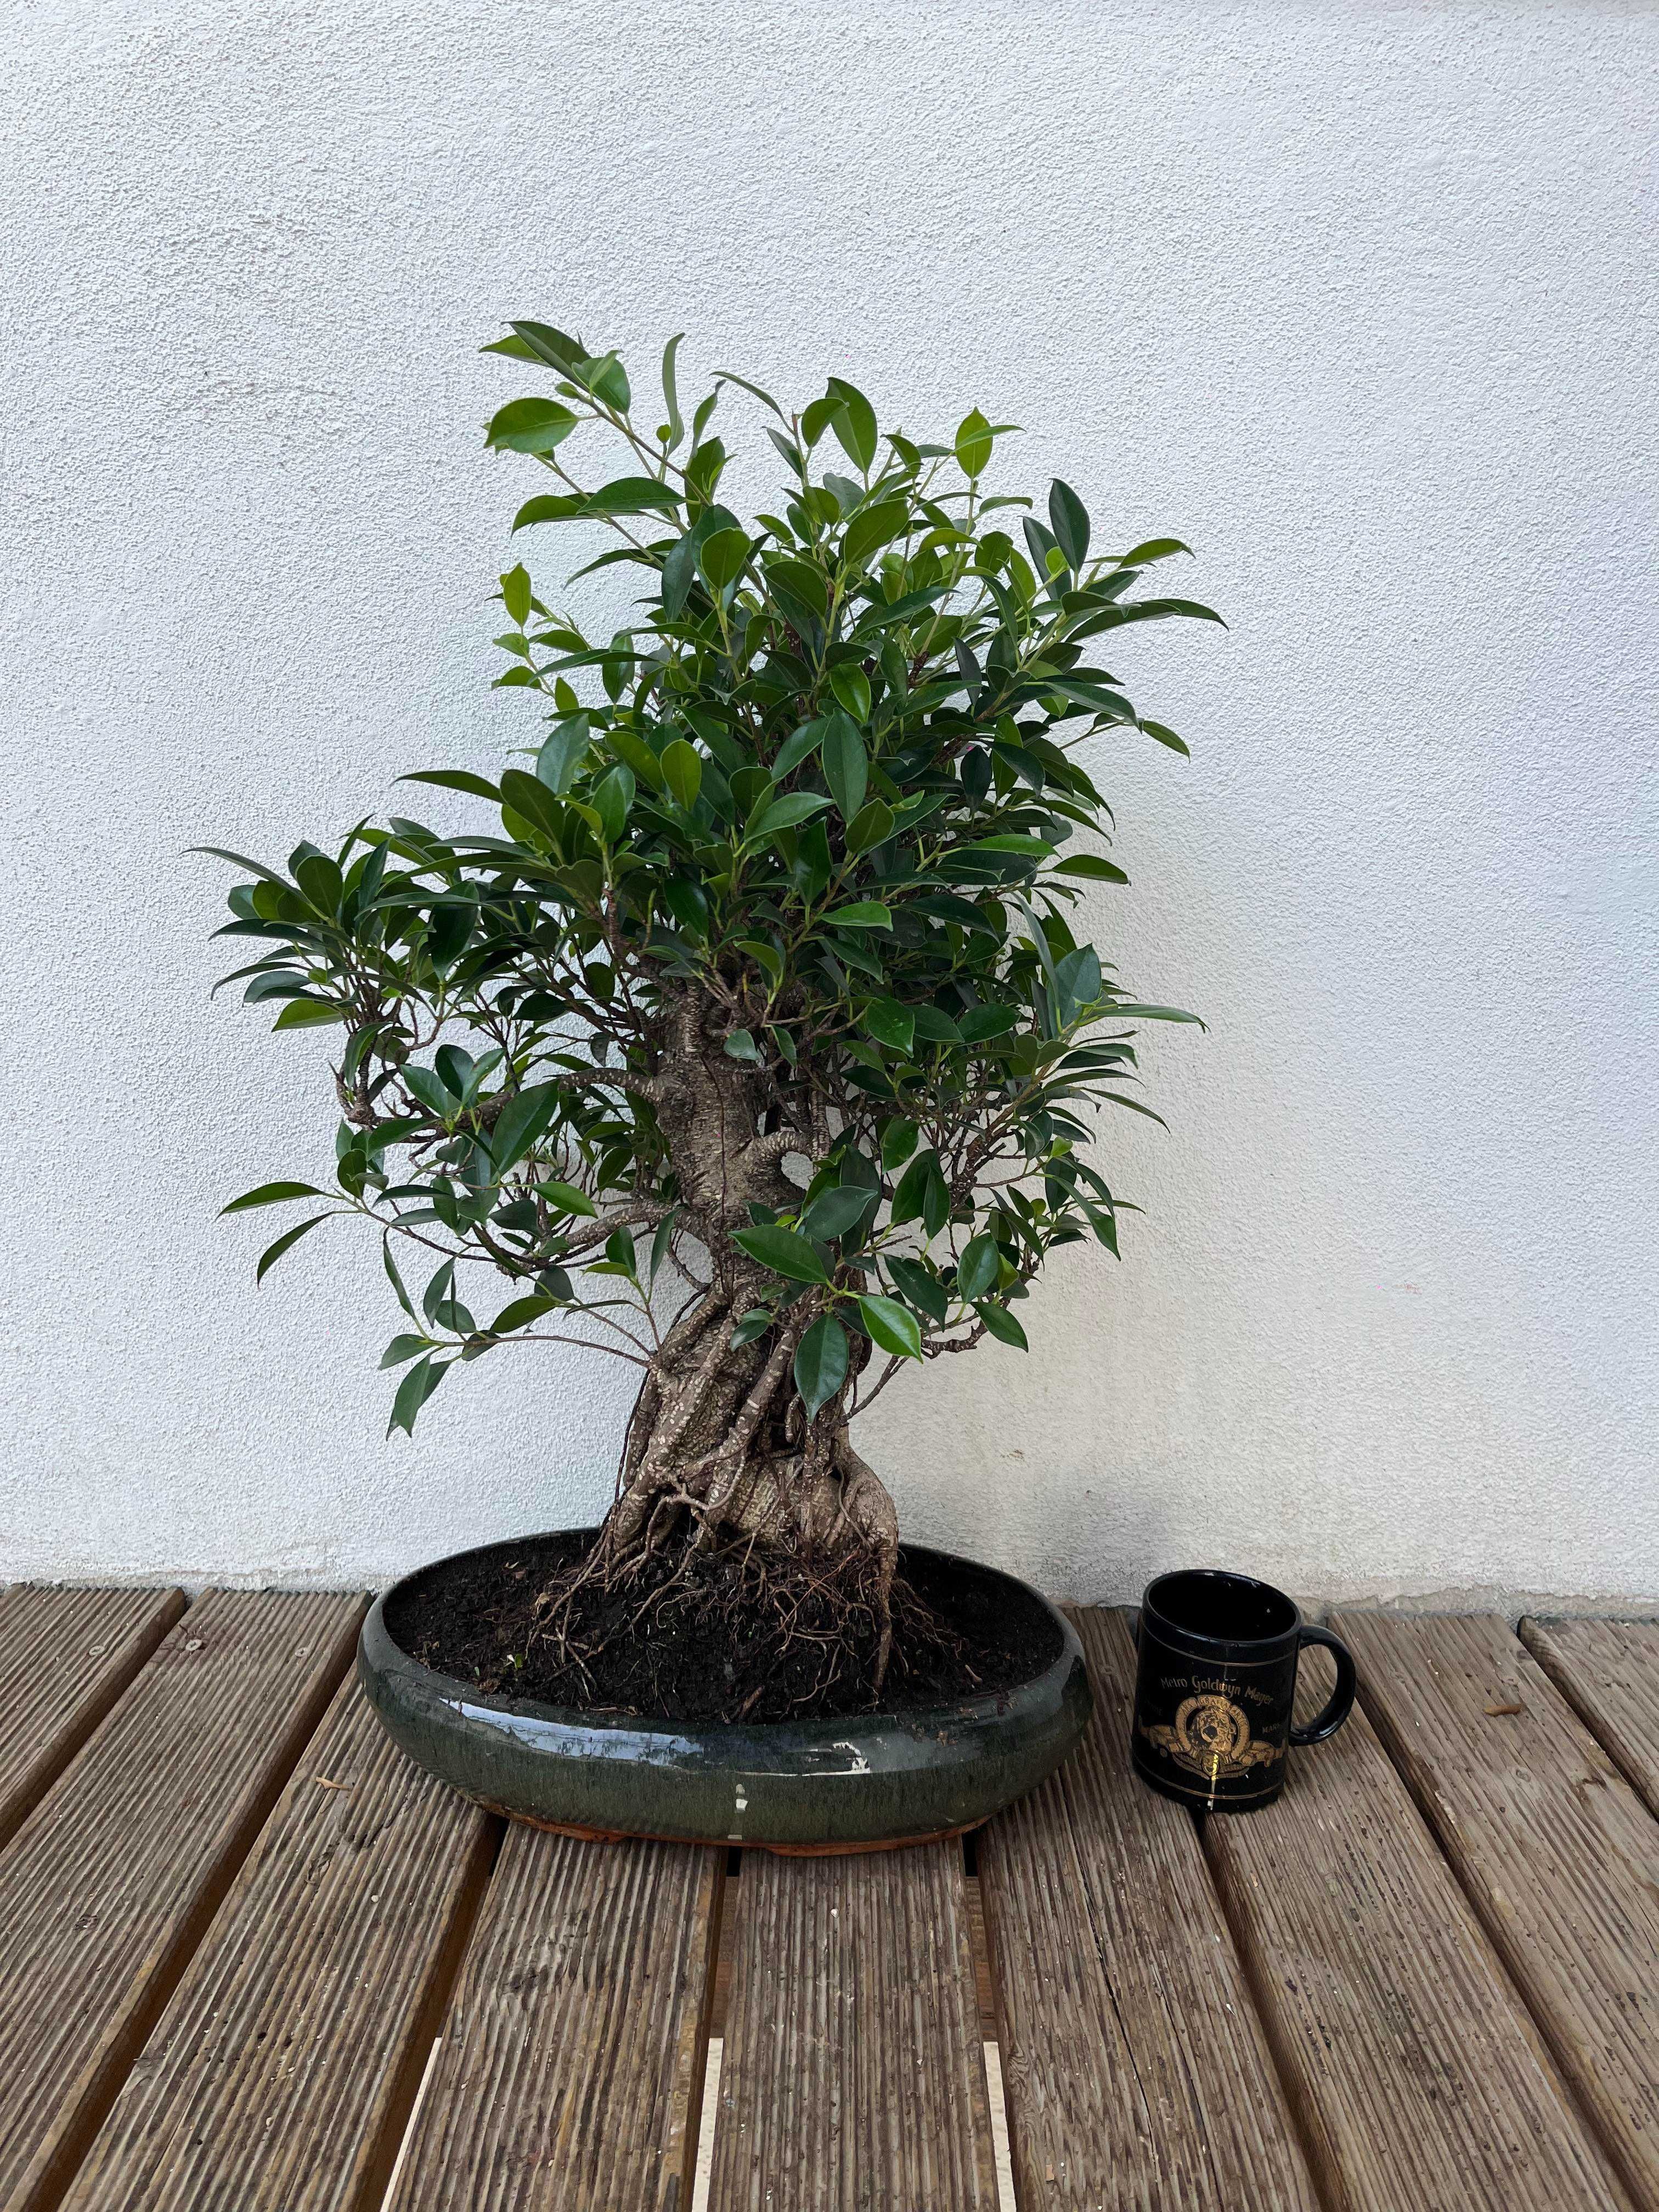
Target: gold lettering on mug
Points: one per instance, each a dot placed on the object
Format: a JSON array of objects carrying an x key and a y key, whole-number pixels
[{"x": 1211, "y": 1737}]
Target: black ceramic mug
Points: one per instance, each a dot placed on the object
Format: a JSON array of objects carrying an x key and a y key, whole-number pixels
[{"x": 1216, "y": 1685}]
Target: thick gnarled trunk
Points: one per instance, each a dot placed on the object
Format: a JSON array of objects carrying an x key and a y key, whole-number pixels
[{"x": 719, "y": 1453}]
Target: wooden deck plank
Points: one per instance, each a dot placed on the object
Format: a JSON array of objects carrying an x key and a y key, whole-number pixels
[
  {"x": 1557, "y": 1852},
  {"x": 288, "y": 2053},
  {"x": 1417, "y": 2073},
  {"x": 1609, "y": 1672},
  {"x": 65, "y": 1657},
  {"x": 106, "y": 1887},
  {"x": 569, "y": 2076},
  {"x": 853, "y": 2073},
  {"x": 1136, "y": 2071}
]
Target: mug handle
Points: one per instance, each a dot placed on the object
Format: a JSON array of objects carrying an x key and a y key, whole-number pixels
[{"x": 1341, "y": 1704}]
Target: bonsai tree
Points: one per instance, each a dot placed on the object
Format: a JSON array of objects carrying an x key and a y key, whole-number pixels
[{"x": 745, "y": 1036}]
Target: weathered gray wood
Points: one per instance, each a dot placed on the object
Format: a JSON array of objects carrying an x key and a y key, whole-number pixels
[
  {"x": 1136, "y": 2071},
  {"x": 853, "y": 2072},
  {"x": 1416, "y": 2072},
  {"x": 283, "y": 2064},
  {"x": 105, "y": 1889},
  {"x": 570, "y": 2072},
  {"x": 65, "y": 1657},
  {"x": 1558, "y": 1856},
  {"x": 1609, "y": 1672}
]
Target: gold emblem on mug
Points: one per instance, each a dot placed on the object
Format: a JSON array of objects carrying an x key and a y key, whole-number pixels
[{"x": 1212, "y": 1737}]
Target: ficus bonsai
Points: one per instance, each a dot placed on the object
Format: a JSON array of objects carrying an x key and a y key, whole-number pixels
[{"x": 745, "y": 1036}]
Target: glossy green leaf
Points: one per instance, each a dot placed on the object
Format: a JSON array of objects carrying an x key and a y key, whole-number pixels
[
  {"x": 273, "y": 1253},
  {"x": 529, "y": 796},
  {"x": 530, "y": 425},
  {"x": 520, "y": 1123},
  {"x": 921, "y": 1287},
  {"x": 272, "y": 1193},
  {"x": 852, "y": 689},
  {"x": 403, "y": 1348},
  {"x": 838, "y": 1211},
  {"x": 787, "y": 812},
  {"x": 455, "y": 779},
  {"x": 558, "y": 762},
  {"x": 416, "y": 1387},
  {"x": 613, "y": 795},
  {"x": 783, "y": 1252},
  {"x": 973, "y": 444},
  {"x": 1167, "y": 737},
  {"x": 567, "y": 1199},
  {"x": 821, "y": 1363},
  {"x": 898, "y": 1142},
  {"x": 1068, "y": 518},
  {"x": 1132, "y": 1011},
  {"x": 425, "y": 1085},
  {"x": 854, "y": 423},
  {"x": 516, "y": 594},
  {"x": 1002, "y": 1325},
  {"x": 871, "y": 825},
  {"x": 871, "y": 529},
  {"x": 891, "y": 1024},
  {"x": 520, "y": 1314},
  {"x": 1090, "y": 867},
  {"x": 682, "y": 767},
  {"x": 723, "y": 557},
  {"x": 891, "y": 1325},
  {"x": 1155, "y": 549},
  {"x": 845, "y": 764},
  {"x": 978, "y": 1268}
]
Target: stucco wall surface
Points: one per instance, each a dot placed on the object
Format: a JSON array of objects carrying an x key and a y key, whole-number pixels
[{"x": 1359, "y": 300}]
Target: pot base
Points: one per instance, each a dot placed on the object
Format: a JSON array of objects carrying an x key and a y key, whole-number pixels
[{"x": 723, "y": 1843}]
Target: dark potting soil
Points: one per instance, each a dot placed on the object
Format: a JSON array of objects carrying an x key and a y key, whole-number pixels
[{"x": 722, "y": 1648}]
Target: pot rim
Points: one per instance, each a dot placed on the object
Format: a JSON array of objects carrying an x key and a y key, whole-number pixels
[{"x": 781, "y": 1736}]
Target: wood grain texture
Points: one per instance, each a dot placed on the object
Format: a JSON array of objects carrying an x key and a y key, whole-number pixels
[
  {"x": 281, "y": 2069},
  {"x": 1136, "y": 2071},
  {"x": 853, "y": 2077},
  {"x": 1609, "y": 1672},
  {"x": 107, "y": 1887},
  {"x": 570, "y": 2077},
  {"x": 65, "y": 1657},
  {"x": 1414, "y": 2068},
  {"x": 1558, "y": 1856}
]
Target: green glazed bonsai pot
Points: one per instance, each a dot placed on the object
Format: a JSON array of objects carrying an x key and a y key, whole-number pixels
[{"x": 865, "y": 1782}]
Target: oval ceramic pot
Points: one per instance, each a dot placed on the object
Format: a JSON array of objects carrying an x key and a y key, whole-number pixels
[{"x": 860, "y": 1783}]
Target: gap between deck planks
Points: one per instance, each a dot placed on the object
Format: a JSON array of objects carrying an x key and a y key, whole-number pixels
[
  {"x": 1135, "y": 2069},
  {"x": 1419, "y": 2077},
  {"x": 65, "y": 1657},
  {"x": 570, "y": 2069},
  {"x": 109, "y": 1886},
  {"x": 284, "y": 2067},
  {"x": 1417, "y": 2074},
  {"x": 1609, "y": 1672},
  {"x": 1557, "y": 1854},
  {"x": 853, "y": 2069}
]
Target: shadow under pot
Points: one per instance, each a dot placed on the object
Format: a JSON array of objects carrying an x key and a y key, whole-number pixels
[{"x": 1215, "y": 1689}]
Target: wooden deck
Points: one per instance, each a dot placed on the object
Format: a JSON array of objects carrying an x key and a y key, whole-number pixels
[{"x": 252, "y": 1960}]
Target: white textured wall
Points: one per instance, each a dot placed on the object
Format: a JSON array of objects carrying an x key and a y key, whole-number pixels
[{"x": 1359, "y": 299}]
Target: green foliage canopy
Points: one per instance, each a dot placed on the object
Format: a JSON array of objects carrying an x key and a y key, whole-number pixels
[{"x": 826, "y": 789}]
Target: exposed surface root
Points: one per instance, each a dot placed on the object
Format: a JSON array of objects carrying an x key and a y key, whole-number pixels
[{"x": 736, "y": 1632}]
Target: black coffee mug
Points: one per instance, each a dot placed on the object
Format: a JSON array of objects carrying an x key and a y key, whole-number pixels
[{"x": 1216, "y": 1687}]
